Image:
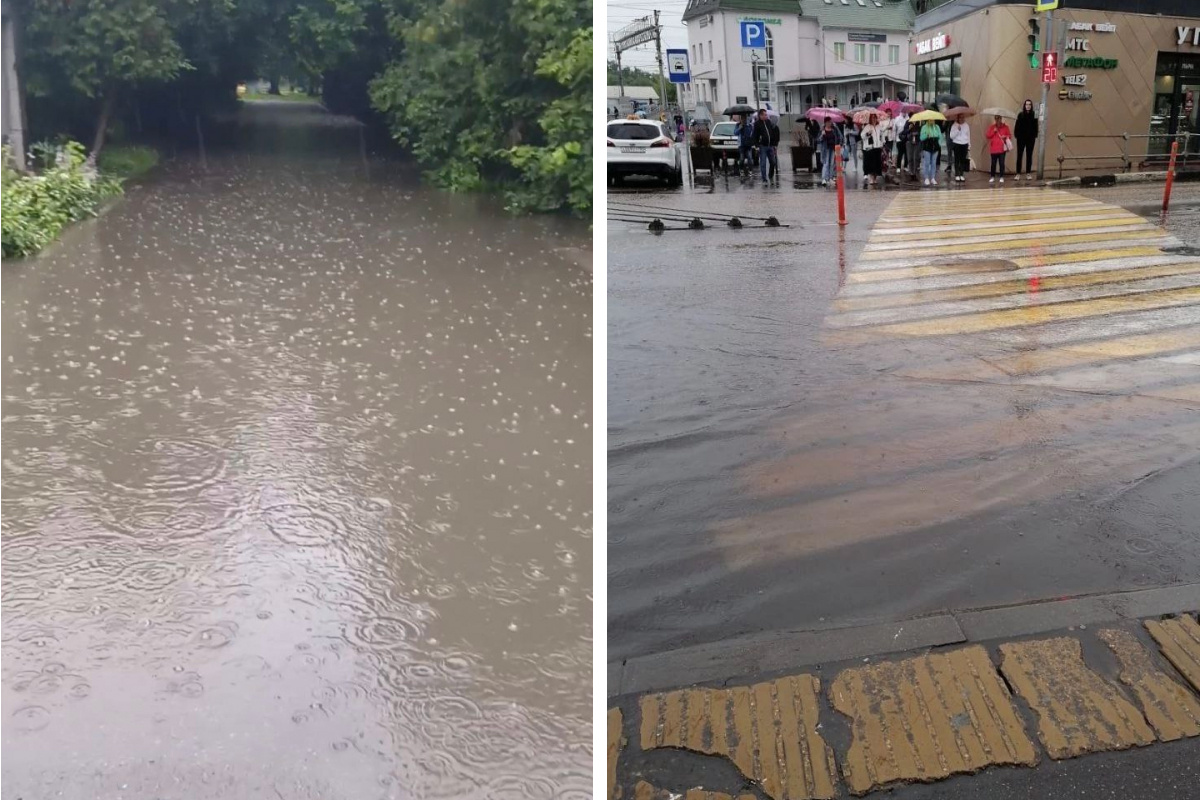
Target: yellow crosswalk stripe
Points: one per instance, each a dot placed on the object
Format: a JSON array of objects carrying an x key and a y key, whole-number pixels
[
  {"x": 938, "y": 222},
  {"x": 966, "y": 232},
  {"x": 1022, "y": 262},
  {"x": 1001, "y": 288},
  {"x": 984, "y": 247},
  {"x": 1037, "y": 315}
]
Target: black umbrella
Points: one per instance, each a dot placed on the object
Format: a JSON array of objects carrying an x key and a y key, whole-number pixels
[
  {"x": 872, "y": 103},
  {"x": 951, "y": 101},
  {"x": 740, "y": 108}
]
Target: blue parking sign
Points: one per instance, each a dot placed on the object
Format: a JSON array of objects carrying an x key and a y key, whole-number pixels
[{"x": 754, "y": 34}]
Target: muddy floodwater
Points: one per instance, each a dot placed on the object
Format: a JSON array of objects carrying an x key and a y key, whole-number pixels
[{"x": 297, "y": 487}]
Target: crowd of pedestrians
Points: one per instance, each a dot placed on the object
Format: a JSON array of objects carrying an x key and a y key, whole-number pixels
[{"x": 896, "y": 147}]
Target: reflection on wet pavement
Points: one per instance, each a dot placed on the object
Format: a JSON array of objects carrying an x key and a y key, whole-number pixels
[{"x": 297, "y": 488}]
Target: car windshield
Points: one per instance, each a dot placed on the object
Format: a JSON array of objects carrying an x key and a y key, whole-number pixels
[
  {"x": 723, "y": 129},
  {"x": 633, "y": 130}
]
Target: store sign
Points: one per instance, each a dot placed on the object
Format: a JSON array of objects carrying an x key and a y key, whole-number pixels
[
  {"x": 1188, "y": 35},
  {"x": 939, "y": 42},
  {"x": 1078, "y": 44},
  {"x": 867, "y": 37},
  {"x": 763, "y": 20},
  {"x": 1075, "y": 80},
  {"x": 1078, "y": 62},
  {"x": 1096, "y": 27},
  {"x": 1074, "y": 94}
]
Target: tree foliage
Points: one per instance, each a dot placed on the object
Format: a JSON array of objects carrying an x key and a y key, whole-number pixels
[
  {"x": 482, "y": 92},
  {"x": 495, "y": 92}
]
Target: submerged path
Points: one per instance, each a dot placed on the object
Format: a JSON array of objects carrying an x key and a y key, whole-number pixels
[{"x": 297, "y": 487}]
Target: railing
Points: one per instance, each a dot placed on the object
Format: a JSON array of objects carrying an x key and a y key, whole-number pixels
[{"x": 1189, "y": 145}]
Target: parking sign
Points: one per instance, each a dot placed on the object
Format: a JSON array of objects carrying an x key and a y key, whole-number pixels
[
  {"x": 677, "y": 66},
  {"x": 754, "y": 34}
]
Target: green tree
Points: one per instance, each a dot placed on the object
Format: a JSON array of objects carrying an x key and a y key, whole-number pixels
[
  {"x": 630, "y": 76},
  {"x": 100, "y": 49}
]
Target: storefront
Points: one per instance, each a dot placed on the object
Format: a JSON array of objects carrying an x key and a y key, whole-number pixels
[{"x": 1128, "y": 83}]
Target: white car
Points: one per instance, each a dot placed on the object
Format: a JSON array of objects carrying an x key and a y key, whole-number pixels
[{"x": 643, "y": 147}]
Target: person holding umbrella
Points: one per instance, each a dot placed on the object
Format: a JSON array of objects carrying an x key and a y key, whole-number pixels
[
  {"x": 931, "y": 143},
  {"x": 745, "y": 133},
  {"x": 1027, "y": 132},
  {"x": 999, "y": 143}
]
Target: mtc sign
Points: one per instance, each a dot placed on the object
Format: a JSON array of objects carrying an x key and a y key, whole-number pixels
[
  {"x": 1188, "y": 35},
  {"x": 932, "y": 45}
]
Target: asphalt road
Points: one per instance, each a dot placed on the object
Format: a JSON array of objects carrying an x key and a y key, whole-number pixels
[{"x": 766, "y": 474}]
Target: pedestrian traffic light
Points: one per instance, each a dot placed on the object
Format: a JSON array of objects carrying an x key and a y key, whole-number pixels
[{"x": 1035, "y": 43}]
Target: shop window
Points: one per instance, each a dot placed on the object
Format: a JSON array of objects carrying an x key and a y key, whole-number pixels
[
  {"x": 875, "y": 54},
  {"x": 938, "y": 77},
  {"x": 839, "y": 51},
  {"x": 893, "y": 54},
  {"x": 860, "y": 53}
]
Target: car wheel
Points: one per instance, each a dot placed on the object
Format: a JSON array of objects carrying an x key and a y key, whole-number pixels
[{"x": 676, "y": 178}]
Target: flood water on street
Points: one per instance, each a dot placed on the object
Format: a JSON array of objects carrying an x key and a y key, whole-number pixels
[{"x": 297, "y": 487}]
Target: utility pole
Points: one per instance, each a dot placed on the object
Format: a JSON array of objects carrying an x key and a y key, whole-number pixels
[
  {"x": 662, "y": 85},
  {"x": 620, "y": 79}
]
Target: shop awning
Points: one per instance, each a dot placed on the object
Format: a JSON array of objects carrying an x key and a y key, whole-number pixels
[{"x": 864, "y": 78}]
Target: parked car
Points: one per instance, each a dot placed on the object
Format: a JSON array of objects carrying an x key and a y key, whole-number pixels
[
  {"x": 642, "y": 147},
  {"x": 725, "y": 142}
]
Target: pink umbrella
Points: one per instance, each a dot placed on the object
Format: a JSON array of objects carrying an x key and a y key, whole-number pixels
[
  {"x": 913, "y": 108},
  {"x": 892, "y": 107},
  {"x": 822, "y": 114}
]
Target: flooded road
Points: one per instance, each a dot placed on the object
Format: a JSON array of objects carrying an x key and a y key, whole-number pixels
[
  {"x": 812, "y": 428},
  {"x": 296, "y": 469}
]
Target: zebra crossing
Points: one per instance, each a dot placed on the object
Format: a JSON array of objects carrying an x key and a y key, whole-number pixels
[{"x": 1033, "y": 286}]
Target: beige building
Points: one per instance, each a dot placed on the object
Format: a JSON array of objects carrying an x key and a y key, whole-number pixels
[{"x": 1120, "y": 72}]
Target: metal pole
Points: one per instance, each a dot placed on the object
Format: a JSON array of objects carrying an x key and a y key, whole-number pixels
[
  {"x": 841, "y": 184},
  {"x": 687, "y": 155},
  {"x": 1043, "y": 110},
  {"x": 662, "y": 85},
  {"x": 1170, "y": 175},
  {"x": 620, "y": 81}
]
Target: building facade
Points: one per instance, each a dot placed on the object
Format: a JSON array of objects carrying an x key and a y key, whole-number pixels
[
  {"x": 1120, "y": 71},
  {"x": 838, "y": 50}
]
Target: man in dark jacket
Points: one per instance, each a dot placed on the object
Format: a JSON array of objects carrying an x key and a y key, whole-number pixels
[{"x": 766, "y": 138}]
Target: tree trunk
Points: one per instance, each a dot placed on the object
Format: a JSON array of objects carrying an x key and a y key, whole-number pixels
[
  {"x": 274, "y": 85},
  {"x": 106, "y": 110}
]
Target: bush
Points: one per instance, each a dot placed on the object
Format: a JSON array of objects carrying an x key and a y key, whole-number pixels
[
  {"x": 127, "y": 161},
  {"x": 36, "y": 207}
]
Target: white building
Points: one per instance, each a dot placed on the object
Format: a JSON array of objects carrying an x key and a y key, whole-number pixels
[{"x": 843, "y": 50}]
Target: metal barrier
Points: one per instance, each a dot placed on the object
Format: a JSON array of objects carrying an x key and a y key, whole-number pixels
[{"x": 1185, "y": 141}]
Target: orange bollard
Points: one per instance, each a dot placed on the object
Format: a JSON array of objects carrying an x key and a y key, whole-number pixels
[
  {"x": 841, "y": 184},
  {"x": 1170, "y": 175}
]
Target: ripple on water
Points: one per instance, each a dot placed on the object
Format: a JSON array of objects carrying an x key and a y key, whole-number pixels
[
  {"x": 30, "y": 718},
  {"x": 158, "y": 521},
  {"x": 302, "y": 526},
  {"x": 152, "y": 575},
  {"x": 166, "y": 466}
]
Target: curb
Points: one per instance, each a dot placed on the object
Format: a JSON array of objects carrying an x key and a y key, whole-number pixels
[
  {"x": 788, "y": 650},
  {"x": 1122, "y": 177}
]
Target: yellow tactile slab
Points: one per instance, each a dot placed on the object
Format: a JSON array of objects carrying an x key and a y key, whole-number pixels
[
  {"x": 1179, "y": 639},
  {"x": 644, "y": 791},
  {"x": 926, "y": 718},
  {"x": 768, "y": 730},
  {"x": 614, "y": 749},
  {"x": 1078, "y": 710},
  {"x": 1173, "y": 711}
]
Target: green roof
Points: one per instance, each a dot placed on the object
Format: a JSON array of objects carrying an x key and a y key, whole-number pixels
[
  {"x": 879, "y": 15},
  {"x": 698, "y": 8}
]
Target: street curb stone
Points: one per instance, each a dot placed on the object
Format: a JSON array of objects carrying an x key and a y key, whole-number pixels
[{"x": 790, "y": 650}]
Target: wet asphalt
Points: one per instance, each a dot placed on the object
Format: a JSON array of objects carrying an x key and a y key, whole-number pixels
[{"x": 761, "y": 479}]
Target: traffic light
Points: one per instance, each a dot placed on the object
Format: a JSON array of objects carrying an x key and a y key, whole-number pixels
[{"x": 1035, "y": 43}]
